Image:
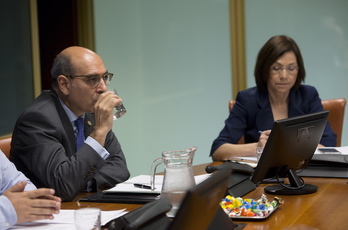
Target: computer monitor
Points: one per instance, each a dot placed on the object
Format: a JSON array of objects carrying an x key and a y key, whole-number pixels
[
  {"x": 290, "y": 147},
  {"x": 200, "y": 208}
]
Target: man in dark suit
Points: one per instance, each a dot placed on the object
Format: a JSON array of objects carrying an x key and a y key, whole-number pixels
[{"x": 45, "y": 137}]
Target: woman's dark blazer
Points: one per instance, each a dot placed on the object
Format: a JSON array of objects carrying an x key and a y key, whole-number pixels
[{"x": 252, "y": 113}]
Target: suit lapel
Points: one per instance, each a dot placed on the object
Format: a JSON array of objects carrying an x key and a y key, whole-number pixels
[
  {"x": 264, "y": 118},
  {"x": 264, "y": 121},
  {"x": 67, "y": 126},
  {"x": 295, "y": 103}
]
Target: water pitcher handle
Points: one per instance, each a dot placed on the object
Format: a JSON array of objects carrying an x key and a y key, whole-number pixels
[{"x": 154, "y": 165}]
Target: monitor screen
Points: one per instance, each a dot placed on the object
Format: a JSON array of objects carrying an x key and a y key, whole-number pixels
[
  {"x": 289, "y": 148},
  {"x": 201, "y": 209}
]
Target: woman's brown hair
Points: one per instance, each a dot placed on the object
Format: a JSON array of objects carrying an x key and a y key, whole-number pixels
[{"x": 271, "y": 51}]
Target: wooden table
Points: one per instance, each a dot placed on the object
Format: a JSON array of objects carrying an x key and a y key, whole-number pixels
[{"x": 325, "y": 209}]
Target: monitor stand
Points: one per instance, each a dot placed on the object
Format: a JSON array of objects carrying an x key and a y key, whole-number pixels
[{"x": 296, "y": 186}]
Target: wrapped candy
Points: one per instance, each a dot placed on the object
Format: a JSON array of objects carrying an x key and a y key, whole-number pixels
[{"x": 239, "y": 207}]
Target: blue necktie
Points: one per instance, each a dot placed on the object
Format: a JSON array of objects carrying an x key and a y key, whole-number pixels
[{"x": 80, "y": 137}]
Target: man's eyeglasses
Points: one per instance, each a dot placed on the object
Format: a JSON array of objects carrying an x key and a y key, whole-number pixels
[
  {"x": 94, "y": 79},
  {"x": 291, "y": 69}
]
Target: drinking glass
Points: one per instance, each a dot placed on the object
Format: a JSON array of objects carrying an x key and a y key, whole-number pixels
[
  {"x": 259, "y": 151},
  {"x": 119, "y": 110},
  {"x": 87, "y": 219}
]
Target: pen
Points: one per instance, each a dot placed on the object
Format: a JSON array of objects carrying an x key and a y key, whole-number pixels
[
  {"x": 142, "y": 186},
  {"x": 259, "y": 131},
  {"x": 238, "y": 159}
]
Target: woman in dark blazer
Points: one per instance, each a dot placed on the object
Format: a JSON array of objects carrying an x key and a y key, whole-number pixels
[{"x": 278, "y": 94}]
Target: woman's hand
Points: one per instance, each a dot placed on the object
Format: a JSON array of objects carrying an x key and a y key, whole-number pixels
[{"x": 263, "y": 138}]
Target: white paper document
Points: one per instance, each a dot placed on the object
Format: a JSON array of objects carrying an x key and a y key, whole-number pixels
[
  {"x": 128, "y": 185},
  {"x": 252, "y": 161},
  {"x": 342, "y": 150},
  {"x": 65, "y": 220}
]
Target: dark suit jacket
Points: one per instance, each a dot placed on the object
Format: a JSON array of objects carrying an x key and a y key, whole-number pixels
[
  {"x": 252, "y": 113},
  {"x": 43, "y": 148}
]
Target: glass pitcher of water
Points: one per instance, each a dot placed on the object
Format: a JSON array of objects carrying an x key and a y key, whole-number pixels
[{"x": 178, "y": 176}]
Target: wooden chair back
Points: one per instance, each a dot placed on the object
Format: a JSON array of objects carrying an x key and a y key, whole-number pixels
[
  {"x": 5, "y": 145},
  {"x": 336, "y": 116}
]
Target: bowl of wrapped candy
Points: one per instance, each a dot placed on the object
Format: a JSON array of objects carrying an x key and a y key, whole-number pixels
[{"x": 249, "y": 209}]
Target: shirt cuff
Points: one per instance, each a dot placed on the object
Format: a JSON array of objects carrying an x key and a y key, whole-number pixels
[
  {"x": 8, "y": 215},
  {"x": 103, "y": 153}
]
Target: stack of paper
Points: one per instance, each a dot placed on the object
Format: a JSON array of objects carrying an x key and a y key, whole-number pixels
[
  {"x": 65, "y": 220},
  {"x": 252, "y": 161},
  {"x": 128, "y": 185},
  {"x": 341, "y": 150}
]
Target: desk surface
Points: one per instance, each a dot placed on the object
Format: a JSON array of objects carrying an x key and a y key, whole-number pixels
[{"x": 325, "y": 209}]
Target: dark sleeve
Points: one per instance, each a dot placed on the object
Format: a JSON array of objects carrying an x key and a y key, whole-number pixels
[
  {"x": 115, "y": 169},
  {"x": 235, "y": 125},
  {"x": 44, "y": 150}
]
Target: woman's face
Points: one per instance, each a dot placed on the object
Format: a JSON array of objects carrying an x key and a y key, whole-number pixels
[{"x": 283, "y": 74}]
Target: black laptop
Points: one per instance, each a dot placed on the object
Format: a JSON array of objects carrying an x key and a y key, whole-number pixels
[
  {"x": 327, "y": 165},
  {"x": 123, "y": 198}
]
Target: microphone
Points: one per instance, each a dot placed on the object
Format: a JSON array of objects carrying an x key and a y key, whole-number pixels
[
  {"x": 211, "y": 168},
  {"x": 233, "y": 166}
]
